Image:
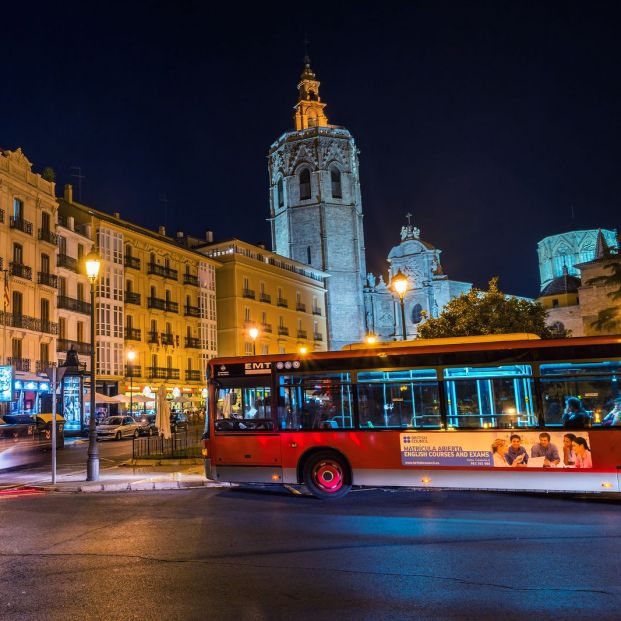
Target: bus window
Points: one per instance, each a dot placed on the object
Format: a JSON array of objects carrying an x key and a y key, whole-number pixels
[
  {"x": 411, "y": 402},
  {"x": 595, "y": 385},
  {"x": 315, "y": 403},
  {"x": 243, "y": 409},
  {"x": 492, "y": 397}
]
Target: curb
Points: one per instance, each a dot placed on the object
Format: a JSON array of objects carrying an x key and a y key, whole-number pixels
[
  {"x": 136, "y": 486},
  {"x": 162, "y": 462}
]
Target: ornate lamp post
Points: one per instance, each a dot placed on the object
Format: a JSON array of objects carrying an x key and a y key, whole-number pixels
[
  {"x": 399, "y": 284},
  {"x": 93, "y": 263},
  {"x": 131, "y": 356},
  {"x": 253, "y": 333}
]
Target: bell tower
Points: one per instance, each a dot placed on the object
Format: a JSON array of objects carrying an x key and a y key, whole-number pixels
[{"x": 316, "y": 207}]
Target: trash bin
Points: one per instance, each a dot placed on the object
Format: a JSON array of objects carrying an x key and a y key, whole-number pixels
[{"x": 44, "y": 430}]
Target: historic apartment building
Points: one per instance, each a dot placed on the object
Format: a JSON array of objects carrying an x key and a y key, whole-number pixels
[
  {"x": 154, "y": 297},
  {"x": 28, "y": 252},
  {"x": 283, "y": 299},
  {"x": 316, "y": 208}
]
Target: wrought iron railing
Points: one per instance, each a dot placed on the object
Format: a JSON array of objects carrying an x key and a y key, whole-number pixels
[
  {"x": 47, "y": 279},
  {"x": 282, "y": 302},
  {"x": 156, "y": 303},
  {"x": 248, "y": 293},
  {"x": 47, "y": 236},
  {"x": 283, "y": 331},
  {"x": 73, "y": 304},
  {"x": 192, "y": 375},
  {"x": 20, "y": 270},
  {"x": 79, "y": 346},
  {"x": 317, "y": 336},
  {"x": 133, "y": 370},
  {"x": 162, "y": 373},
  {"x": 186, "y": 443},
  {"x": 133, "y": 334},
  {"x": 302, "y": 334},
  {"x": 64, "y": 260},
  {"x": 167, "y": 338},
  {"x": 133, "y": 262},
  {"x": 192, "y": 342},
  {"x": 299, "y": 306},
  {"x": 162, "y": 270},
  {"x": 131, "y": 297},
  {"x": 192, "y": 311},
  {"x": 265, "y": 297},
  {"x": 21, "y": 225},
  {"x": 190, "y": 279},
  {"x": 28, "y": 323},
  {"x": 20, "y": 364}
]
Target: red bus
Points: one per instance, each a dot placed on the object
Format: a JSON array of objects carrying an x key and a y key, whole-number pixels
[{"x": 530, "y": 415}]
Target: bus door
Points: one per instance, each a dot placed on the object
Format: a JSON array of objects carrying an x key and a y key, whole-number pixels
[{"x": 245, "y": 427}]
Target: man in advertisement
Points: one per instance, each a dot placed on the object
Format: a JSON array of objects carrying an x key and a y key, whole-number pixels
[
  {"x": 547, "y": 450},
  {"x": 515, "y": 450}
]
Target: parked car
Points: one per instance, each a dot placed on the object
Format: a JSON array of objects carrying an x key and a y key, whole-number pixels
[
  {"x": 146, "y": 425},
  {"x": 178, "y": 422},
  {"x": 118, "y": 427}
]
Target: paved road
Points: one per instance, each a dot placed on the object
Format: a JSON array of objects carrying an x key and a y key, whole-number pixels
[
  {"x": 252, "y": 554},
  {"x": 70, "y": 459}
]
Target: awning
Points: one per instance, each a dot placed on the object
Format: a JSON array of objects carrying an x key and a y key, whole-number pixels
[{"x": 101, "y": 399}]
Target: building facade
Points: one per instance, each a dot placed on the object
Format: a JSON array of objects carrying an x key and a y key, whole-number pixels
[
  {"x": 283, "y": 299},
  {"x": 566, "y": 250},
  {"x": 316, "y": 208},
  {"x": 429, "y": 289},
  {"x": 154, "y": 297},
  {"x": 28, "y": 251}
]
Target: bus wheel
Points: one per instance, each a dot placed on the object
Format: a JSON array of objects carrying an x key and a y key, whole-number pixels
[{"x": 327, "y": 475}]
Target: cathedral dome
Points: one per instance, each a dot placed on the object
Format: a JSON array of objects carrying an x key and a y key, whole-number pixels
[
  {"x": 410, "y": 243},
  {"x": 562, "y": 284}
]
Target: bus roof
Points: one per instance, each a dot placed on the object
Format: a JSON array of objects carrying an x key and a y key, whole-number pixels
[
  {"x": 458, "y": 340},
  {"x": 433, "y": 346}
]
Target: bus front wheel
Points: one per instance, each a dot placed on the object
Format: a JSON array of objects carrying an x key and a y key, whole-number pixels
[{"x": 326, "y": 475}]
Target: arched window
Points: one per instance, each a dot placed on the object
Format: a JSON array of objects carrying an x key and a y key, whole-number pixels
[
  {"x": 279, "y": 192},
  {"x": 417, "y": 313},
  {"x": 305, "y": 185},
  {"x": 335, "y": 177}
]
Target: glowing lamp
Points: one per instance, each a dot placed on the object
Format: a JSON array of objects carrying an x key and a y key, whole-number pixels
[
  {"x": 92, "y": 261},
  {"x": 176, "y": 392},
  {"x": 399, "y": 283},
  {"x": 303, "y": 350},
  {"x": 131, "y": 355},
  {"x": 253, "y": 332}
]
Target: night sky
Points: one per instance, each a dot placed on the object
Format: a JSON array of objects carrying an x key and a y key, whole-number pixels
[{"x": 488, "y": 121}]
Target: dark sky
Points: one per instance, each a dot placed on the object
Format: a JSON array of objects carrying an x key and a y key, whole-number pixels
[{"x": 486, "y": 120}]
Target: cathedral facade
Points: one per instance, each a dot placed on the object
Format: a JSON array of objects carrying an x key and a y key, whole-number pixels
[
  {"x": 316, "y": 209},
  {"x": 429, "y": 289}
]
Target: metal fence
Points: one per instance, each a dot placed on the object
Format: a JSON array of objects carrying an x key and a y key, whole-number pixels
[{"x": 181, "y": 444}]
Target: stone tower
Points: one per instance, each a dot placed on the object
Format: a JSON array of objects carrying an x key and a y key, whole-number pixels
[{"x": 316, "y": 209}]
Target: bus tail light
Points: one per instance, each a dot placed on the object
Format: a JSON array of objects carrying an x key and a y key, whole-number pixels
[
  {"x": 425, "y": 480},
  {"x": 275, "y": 477},
  {"x": 606, "y": 484}
]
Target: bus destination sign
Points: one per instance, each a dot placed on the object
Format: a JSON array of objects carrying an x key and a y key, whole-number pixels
[{"x": 241, "y": 370}]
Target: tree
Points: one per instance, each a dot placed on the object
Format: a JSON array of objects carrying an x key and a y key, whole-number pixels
[
  {"x": 480, "y": 312},
  {"x": 609, "y": 319},
  {"x": 48, "y": 174}
]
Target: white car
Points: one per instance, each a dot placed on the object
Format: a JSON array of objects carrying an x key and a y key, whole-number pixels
[{"x": 117, "y": 427}]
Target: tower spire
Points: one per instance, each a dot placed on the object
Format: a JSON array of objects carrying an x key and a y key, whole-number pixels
[{"x": 309, "y": 108}]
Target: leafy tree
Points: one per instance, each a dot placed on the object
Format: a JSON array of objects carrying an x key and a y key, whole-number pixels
[
  {"x": 609, "y": 319},
  {"x": 48, "y": 174},
  {"x": 480, "y": 312}
]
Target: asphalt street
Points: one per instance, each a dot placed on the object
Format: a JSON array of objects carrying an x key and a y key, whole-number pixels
[
  {"x": 70, "y": 459},
  {"x": 245, "y": 553}
]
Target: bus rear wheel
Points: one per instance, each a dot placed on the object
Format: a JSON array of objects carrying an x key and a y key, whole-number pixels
[{"x": 326, "y": 474}]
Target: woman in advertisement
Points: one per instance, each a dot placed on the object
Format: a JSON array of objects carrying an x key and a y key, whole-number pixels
[
  {"x": 499, "y": 451},
  {"x": 583, "y": 453},
  {"x": 569, "y": 455}
]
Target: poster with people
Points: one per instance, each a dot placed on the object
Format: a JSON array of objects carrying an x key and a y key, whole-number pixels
[{"x": 501, "y": 449}]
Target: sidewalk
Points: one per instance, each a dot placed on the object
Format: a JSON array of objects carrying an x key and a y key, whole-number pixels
[{"x": 126, "y": 479}]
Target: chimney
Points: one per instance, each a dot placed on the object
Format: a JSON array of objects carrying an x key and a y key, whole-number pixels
[
  {"x": 71, "y": 223},
  {"x": 117, "y": 215},
  {"x": 179, "y": 234},
  {"x": 162, "y": 230},
  {"x": 209, "y": 236},
  {"x": 68, "y": 195}
]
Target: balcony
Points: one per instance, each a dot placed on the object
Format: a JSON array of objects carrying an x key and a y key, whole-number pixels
[
  {"x": 317, "y": 311},
  {"x": 47, "y": 236},
  {"x": 162, "y": 373},
  {"x": 317, "y": 336},
  {"x": 133, "y": 334},
  {"x": 153, "y": 337},
  {"x": 265, "y": 297},
  {"x": 20, "y": 270},
  {"x": 47, "y": 279},
  {"x": 80, "y": 347},
  {"x": 300, "y": 307},
  {"x": 133, "y": 370},
  {"x": 282, "y": 302},
  {"x": 248, "y": 293},
  {"x": 20, "y": 364},
  {"x": 21, "y": 225},
  {"x": 41, "y": 366},
  {"x": 71, "y": 304},
  {"x": 190, "y": 279},
  {"x": 172, "y": 307},
  {"x": 131, "y": 297},
  {"x": 167, "y": 338},
  {"x": 192, "y": 375},
  {"x": 29, "y": 323},
  {"x": 192, "y": 342},
  {"x": 302, "y": 334},
  {"x": 64, "y": 260},
  {"x": 266, "y": 327},
  {"x": 156, "y": 303},
  {"x": 133, "y": 262},
  {"x": 163, "y": 271},
  {"x": 283, "y": 331},
  {"x": 192, "y": 311}
]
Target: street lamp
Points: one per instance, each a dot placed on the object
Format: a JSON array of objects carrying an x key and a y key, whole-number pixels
[
  {"x": 303, "y": 350},
  {"x": 93, "y": 263},
  {"x": 370, "y": 339},
  {"x": 399, "y": 284},
  {"x": 131, "y": 356},
  {"x": 254, "y": 332}
]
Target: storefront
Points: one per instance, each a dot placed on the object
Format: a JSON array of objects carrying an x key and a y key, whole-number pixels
[{"x": 28, "y": 391}]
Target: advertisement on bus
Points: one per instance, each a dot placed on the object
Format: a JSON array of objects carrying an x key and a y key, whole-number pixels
[{"x": 502, "y": 449}]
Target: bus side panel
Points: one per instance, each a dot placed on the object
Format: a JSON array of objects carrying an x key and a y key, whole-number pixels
[{"x": 246, "y": 449}]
